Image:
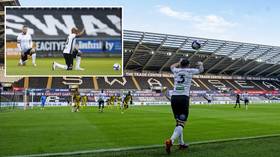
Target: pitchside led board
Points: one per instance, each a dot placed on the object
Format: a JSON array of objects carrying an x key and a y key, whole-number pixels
[{"x": 63, "y": 41}]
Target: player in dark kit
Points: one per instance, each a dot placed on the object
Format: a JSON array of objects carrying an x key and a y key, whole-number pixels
[
  {"x": 237, "y": 100},
  {"x": 70, "y": 52},
  {"x": 127, "y": 98},
  {"x": 180, "y": 99}
]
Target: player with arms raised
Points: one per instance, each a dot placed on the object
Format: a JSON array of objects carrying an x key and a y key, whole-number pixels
[
  {"x": 70, "y": 51},
  {"x": 180, "y": 99},
  {"x": 25, "y": 46}
]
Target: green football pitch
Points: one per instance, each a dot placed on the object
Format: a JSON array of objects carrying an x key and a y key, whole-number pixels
[
  {"x": 92, "y": 66},
  {"x": 57, "y": 130}
]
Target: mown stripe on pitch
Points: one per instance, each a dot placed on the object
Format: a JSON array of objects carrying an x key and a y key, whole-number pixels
[{"x": 142, "y": 147}]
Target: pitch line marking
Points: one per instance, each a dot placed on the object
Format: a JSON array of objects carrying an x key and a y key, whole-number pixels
[{"x": 142, "y": 147}]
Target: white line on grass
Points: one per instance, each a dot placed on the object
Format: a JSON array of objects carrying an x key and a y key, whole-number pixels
[{"x": 141, "y": 147}]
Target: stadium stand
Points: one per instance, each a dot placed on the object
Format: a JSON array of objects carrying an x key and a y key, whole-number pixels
[
  {"x": 153, "y": 82},
  {"x": 156, "y": 52},
  {"x": 58, "y": 83},
  {"x": 34, "y": 83},
  {"x": 230, "y": 67},
  {"x": 147, "y": 83},
  {"x": 115, "y": 83}
]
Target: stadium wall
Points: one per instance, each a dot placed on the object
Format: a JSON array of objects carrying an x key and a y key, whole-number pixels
[{"x": 150, "y": 92}]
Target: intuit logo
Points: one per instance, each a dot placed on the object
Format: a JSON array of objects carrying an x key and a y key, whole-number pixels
[{"x": 97, "y": 45}]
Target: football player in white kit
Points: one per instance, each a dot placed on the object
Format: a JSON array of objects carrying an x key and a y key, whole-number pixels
[
  {"x": 180, "y": 99},
  {"x": 25, "y": 46},
  {"x": 101, "y": 100},
  {"x": 246, "y": 99},
  {"x": 71, "y": 51}
]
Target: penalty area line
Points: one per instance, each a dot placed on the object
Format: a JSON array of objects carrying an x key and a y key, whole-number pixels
[{"x": 141, "y": 147}]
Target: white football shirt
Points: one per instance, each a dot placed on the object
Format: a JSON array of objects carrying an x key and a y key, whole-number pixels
[
  {"x": 69, "y": 43},
  {"x": 183, "y": 80},
  {"x": 208, "y": 96},
  {"x": 24, "y": 42},
  {"x": 101, "y": 96},
  {"x": 246, "y": 96}
]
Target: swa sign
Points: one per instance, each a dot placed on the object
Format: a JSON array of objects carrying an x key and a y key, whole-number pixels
[{"x": 56, "y": 23}]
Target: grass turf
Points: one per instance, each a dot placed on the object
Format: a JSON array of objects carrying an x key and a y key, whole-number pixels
[
  {"x": 260, "y": 147},
  {"x": 92, "y": 66},
  {"x": 56, "y": 129}
]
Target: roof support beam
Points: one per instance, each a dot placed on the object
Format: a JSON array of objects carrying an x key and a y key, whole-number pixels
[
  {"x": 266, "y": 69},
  {"x": 239, "y": 59},
  {"x": 275, "y": 71},
  {"x": 248, "y": 72},
  {"x": 256, "y": 67},
  {"x": 173, "y": 55},
  {"x": 135, "y": 49},
  {"x": 151, "y": 58},
  {"x": 136, "y": 62},
  {"x": 213, "y": 54},
  {"x": 259, "y": 65},
  {"x": 249, "y": 63},
  {"x": 223, "y": 59},
  {"x": 167, "y": 62}
]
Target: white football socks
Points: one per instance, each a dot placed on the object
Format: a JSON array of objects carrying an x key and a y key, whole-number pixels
[
  {"x": 178, "y": 131},
  {"x": 33, "y": 58},
  {"x": 60, "y": 65},
  {"x": 181, "y": 138},
  {"x": 78, "y": 62},
  {"x": 20, "y": 61}
]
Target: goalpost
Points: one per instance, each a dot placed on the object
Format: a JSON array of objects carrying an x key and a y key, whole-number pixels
[{"x": 10, "y": 99}]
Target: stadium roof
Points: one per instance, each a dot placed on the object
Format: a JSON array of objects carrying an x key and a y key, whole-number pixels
[{"x": 145, "y": 51}]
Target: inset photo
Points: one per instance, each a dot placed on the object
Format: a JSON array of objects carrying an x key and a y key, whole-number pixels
[{"x": 63, "y": 41}]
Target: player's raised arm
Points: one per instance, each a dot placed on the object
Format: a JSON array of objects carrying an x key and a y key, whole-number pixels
[
  {"x": 80, "y": 33},
  {"x": 175, "y": 65}
]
